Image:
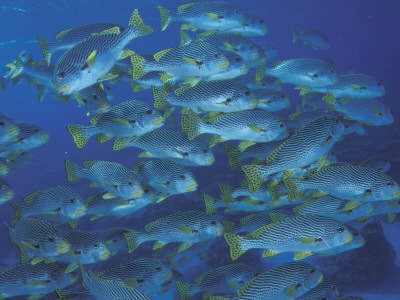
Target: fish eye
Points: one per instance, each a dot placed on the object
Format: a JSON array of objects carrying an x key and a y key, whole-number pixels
[
  {"x": 379, "y": 83},
  {"x": 238, "y": 59},
  {"x": 146, "y": 191},
  {"x": 355, "y": 234},
  {"x": 241, "y": 281},
  {"x": 36, "y": 130},
  {"x": 346, "y": 126},
  {"x": 51, "y": 240},
  {"x": 115, "y": 186},
  {"x": 132, "y": 121},
  {"x": 84, "y": 101},
  {"x": 331, "y": 71},
  {"x": 72, "y": 201},
  {"x": 282, "y": 96},
  {"x": 182, "y": 177},
  {"x": 185, "y": 154},
  {"x": 108, "y": 88},
  {"x": 247, "y": 93},
  {"x": 228, "y": 100},
  {"x": 237, "y": 12},
  {"x": 204, "y": 150},
  {"x": 158, "y": 269},
  {"x": 390, "y": 184},
  {"x": 122, "y": 28},
  {"x": 261, "y": 202},
  {"x": 125, "y": 231},
  {"x": 381, "y": 114},
  {"x": 213, "y": 223},
  {"x": 114, "y": 241},
  {"x": 168, "y": 182},
  {"x": 312, "y": 271},
  {"x": 261, "y": 21},
  {"x": 216, "y": 55},
  {"x": 368, "y": 191},
  {"x": 340, "y": 230},
  {"x": 298, "y": 285},
  {"x": 95, "y": 97},
  {"x": 281, "y": 125},
  {"x": 251, "y": 47},
  {"x": 2, "y": 124},
  {"x": 149, "y": 111},
  {"x": 96, "y": 246},
  {"x": 61, "y": 75},
  {"x": 256, "y": 274},
  {"x": 130, "y": 183},
  {"x": 334, "y": 287}
]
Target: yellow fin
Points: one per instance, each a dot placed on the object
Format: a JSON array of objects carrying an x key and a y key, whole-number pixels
[
  {"x": 301, "y": 255},
  {"x": 351, "y": 205}
]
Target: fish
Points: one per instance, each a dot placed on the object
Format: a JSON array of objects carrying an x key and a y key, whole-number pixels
[
  {"x": 222, "y": 96},
  {"x": 98, "y": 206},
  {"x": 207, "y": 15},
  {"x": 11, "y": 161},
  {"x": 69, "y": 37},
  {"x": 349, "y": 298},
  {"x": 86, "y": 248},
  {"x": 5, "y": 169},
  {"x": 126, "y": 119},
  {"x": 301, "y": 118},
  {"x": 317, "y": 39},
  {"x": 36, "y": 238},
  {"x": 311, "y": 143},
  {"x": 172, "y": 145},
  {"x": 357, "y": 242},
  {"x": 147, "y": 275},
  {"x": 113, "y": 238},
  {"x": 91, "y": 60},
  {"x": 269, "y": 50},
  {"x": 30, "y": 136},
  {"x": 372, "y": 111},
  {"x": 226, "y": 279},
  {"x": 95, "y": 98},
  {"x": 57, "y": 205},
  {"x": 390, "y": 208},
  {"x": 35, "y": 280},
  {"x": 376, "y": 163},
  {"x": 116, "y": 179},
  {"x": 251, "y": 26},
  {"x": 196, "y": 59},
  {"x": 259, "y": 152},
  {"x": 24, "y": 56},
  {"x": 188, "y": 227},
  {"x": 167, "y": 177},
  {"x": 8, "y": 129},
  {"x": 337, "y": 208},
  {"x": 304, "y": 235},
  {"x": 270, "y": 99},
  {"x": 312, "y": 72},
  {"x": 287, "y": 281},
  {"x": 250, "y": 126},
  {"x": 6, "y": 193},
  {"x": 325, "y": 289},
  {"x": 109, "y": 289},
  {"x": 358, "y": 86},
  {"x": 360, "y": 184}
]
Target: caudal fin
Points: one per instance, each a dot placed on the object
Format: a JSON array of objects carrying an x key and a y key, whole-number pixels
[
  {"x": 294, "y": 36},
  {"x": 210, "y": 204},
  {"x": 159, "y": 97},
  {"x": 165, "y": 15},
  {"x": 80, "y": 134},
  {"x": 226, "y": 193},
  {"x": 72, "y": 170},
  {"x": 233, "y": 156},
  {"x": 131, "y": 241},
  {"x": 137, "y": 66},
  {"x": 137, "y": 24},
  {"x": 253, "y": 176},
  {"x": 184, "y": 290},
  {"x": 194, "y": 122},
  {"x": 44, "y": 46},
  {"x": 234, "y": 243}
]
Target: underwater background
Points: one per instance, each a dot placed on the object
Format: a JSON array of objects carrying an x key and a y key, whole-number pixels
[{"x": 364, "y": 38}]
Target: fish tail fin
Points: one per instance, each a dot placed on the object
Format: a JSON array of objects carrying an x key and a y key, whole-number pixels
[
  {"x": 72, "y": 170},
  {"x": 159, "y": 97},
  {"x": 165, "y": 15},
  {"x": 209, "y": 201},
  {"x": 137, "y": 66},
  {"x": 2, "y": 84},
  {"x": 228, "y": 226},
  {"x": 44, "y": 46},
  {"x": 184, "y": 290},
  {"x": 330, "y": 100},
  {"x": 17, "y": 209},
  {"x": 193, "y": 126},
  {"x": 235, "y": 245},
  {"x": 293, "y": 190},
  {"x": 254, "y": 177},
  {"x": 16, "y": 67},
  {"x": 294, "y": 36},
  {"x": 119, "y": 143},
  {"x": 132, "y": 241},
  {"x": 233, "y": 156},
  {"x": 136, "y": 23},
  {"x": 226, "y": 193},
  {"x": 80, "y": 134}
]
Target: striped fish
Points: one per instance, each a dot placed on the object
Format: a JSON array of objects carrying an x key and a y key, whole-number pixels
[
  {"x": 10, "y": 162},
  {"x": 172, "y": 145},
  {"x": 69, "y": 37},
  {"x": 250, "y": 126},
  {"x": 284, "y": 282},
  {"x": 309, "y": 144},
  {"x": 226, "y": 279},
  {"x": 271, "y": 99},
  {"x": 113, "y": 238},
  {"x": 187, "y": 227},
  {"x": 90, "y": 61},
  {"x": 95, "y": 98},
  {"x": 357, "y": 242},
  {"x": 147, "y": 275},
  {"x": 36, "y": 238},
  {"x": 324, "y": 290},
  {"x": 117, "y": 180},
  {"x": 222, "y": 96},
  {"x": 126, "y": 119},
  {"x": 304, "y": 235},
  {"x": 167, "y": 177},
  {"x": 252, "y": 26}
]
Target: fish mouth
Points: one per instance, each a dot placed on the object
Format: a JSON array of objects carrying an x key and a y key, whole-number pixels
[
  {"x": 104, "y": 108},
  {"x": 244, "y": 69},
  {"x": 383, "y": 92},
  {"x": 167, "y": 276},
  {"x": 192, "y": 186},
  {"x": 255, "y": 56},
  {"x": 13, "y": 129},
  {"x": 220, "y": 232},
  {"x": 158, "y": 120},
  {"x": 349, "y": 239},
  {"x": 320, "y": 278},
  {"x": 262, "y": 60},
  {"x": 63, "y": 89},
  {"x": 137, "y": 194},
  {"x": 264, "y": 30},
  {"x": 253, "y": 102},
  {"x": 63, "y": 248},
  {"x": 361, "y": 243},
  {"x": 81, "y": 211},
  {"x": 210, "y": 161},
  {"x": 43, "y": 137},
  {"x": 104, "y": 255},
  {"x": 225, "y": 64}
]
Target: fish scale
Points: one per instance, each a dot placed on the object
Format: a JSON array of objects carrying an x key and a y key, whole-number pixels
[
  {"x": 281, "y": 282},
  {"x": 254, "y": 221},
  {"x": 352, "y": 183},
  {"x": 94, "y": 98}
]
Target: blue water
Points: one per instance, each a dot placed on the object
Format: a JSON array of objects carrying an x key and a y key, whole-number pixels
[{"x": 364, "y": 37}]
